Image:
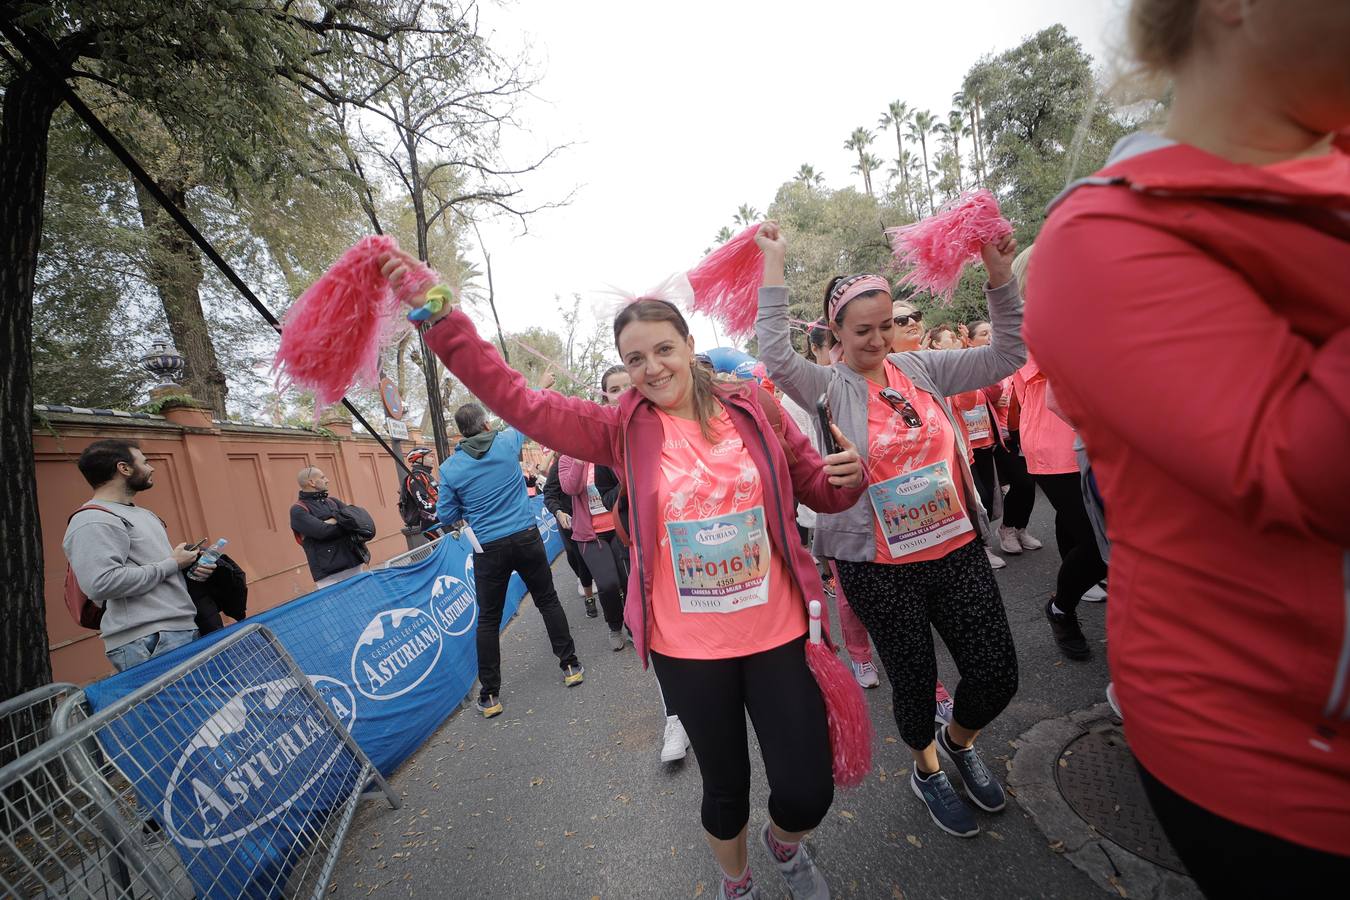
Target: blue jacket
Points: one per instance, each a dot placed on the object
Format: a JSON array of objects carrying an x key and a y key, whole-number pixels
[{"x": 482, "y": 483}]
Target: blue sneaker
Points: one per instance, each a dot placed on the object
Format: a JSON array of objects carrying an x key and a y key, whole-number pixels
[
  {"x": 949, "y": 812},
  {"x": 982, "y": 787}
]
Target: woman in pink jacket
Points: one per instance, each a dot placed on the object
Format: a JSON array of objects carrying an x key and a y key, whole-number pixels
[
  {"x": 1189, "y": 303},
  {"x": 1047, "y": 444},
  {"x": 704, "y": 472}
]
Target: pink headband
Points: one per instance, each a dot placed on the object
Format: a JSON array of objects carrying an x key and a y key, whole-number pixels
[{"x": 853, "y": 287}]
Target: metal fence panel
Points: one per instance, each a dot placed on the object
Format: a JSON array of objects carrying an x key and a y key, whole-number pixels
[
  {"x": 411, "y": 557},
  {"x": 227, "y": 776}
]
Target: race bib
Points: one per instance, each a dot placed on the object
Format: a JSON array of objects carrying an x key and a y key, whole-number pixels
[
  {"x": 721, "y": 564},
  {"x": 918, "y": 509},
  {"x": 593, "y": 496},
  {"x": 977, "y": 423}
]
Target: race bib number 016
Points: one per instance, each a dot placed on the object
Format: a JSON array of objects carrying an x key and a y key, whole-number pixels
[
  {"x": 919, "y": 509},
  {"x": 721, "y": 564},
  {"x": 977, "y": 423}
]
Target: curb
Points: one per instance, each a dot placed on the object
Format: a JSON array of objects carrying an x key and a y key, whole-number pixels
[{"x": 1031, "y": 778}]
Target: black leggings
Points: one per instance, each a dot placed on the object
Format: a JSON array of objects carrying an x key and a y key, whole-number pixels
[
  {"x": 1012, "y": 471},
  {"x": 985, "y": 480},
  {"x": 958, "y": 596},
  {"x": 574, "y": 560},
  {"x": 1228, "y": 860},
  {"x": 604, "y": 558},
  {"x": 1080, "y": 565},
  {"x": 711, "y": 697}
]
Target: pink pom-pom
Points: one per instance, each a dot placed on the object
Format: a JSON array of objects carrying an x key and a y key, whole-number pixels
[
  {"x": 726, "y": 283},
  {"x": 332, "y": 334},
  {"x": 937, "y": 249},
  {"x": 849, "y": 719}
]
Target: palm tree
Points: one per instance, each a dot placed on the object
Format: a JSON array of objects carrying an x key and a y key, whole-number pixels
[
  {"x": 896, "y": 115},
  {"x": 724, "y": 234},
  {"x": 746, "y": 216},
  {"x": 923, "y": 125},
  {"x": 867, "y": 164},
  {"x": 860, "y": 140},
  {"x": 963, "y": 104},
  {"x": 956, "y": 128},
  {"x": 808, "y": 176}
]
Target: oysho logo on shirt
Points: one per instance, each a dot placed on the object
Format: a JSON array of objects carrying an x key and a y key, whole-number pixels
[
  {"x": 249, "y": 763},
  {"x": 726, "y": 448},
  {"x": 395, "y": 652},
  {"x": 716, "y": 534}
]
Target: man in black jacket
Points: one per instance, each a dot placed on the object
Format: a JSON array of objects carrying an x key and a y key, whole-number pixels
[
  {"x": 560, "y": 505},
  {"x": 329, "y": 548}
]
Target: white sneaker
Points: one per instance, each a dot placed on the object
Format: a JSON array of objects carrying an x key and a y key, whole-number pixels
[
  {"x": 676, "y": 743},
  {"x": 1095, "y": 594},
  {"x": 942, "y": 714},
  {"x": 994, "y": 561},
  {"x": 1027, "y": 541},
  {"x": 1007, "y": 540},
  {"x": 865, "y": 674}
]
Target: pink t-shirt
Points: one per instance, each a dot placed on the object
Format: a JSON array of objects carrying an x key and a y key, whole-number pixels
[
  {"x": 1047, "y": 440},
  {"x": 720, "y": 589},
  {"x": 915, "y": 482},
  {"x": 602, "y": 520}
]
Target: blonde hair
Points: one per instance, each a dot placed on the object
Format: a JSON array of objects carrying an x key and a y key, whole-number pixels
[
  {"x": 1162, "y": 32},
  {"x": 1019, "y": 267}
]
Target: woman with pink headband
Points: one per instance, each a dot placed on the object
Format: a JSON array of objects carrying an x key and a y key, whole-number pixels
[{"x": 930, "y": 571}]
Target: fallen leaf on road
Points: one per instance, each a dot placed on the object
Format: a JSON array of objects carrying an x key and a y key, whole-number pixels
[
  {"x": 1120, "y": 888},
  {"x": 535, "y": 782},
  {"x": 845, "y": 814},
  {"x": 569, "y": 834},
  {"x": 890, "y": 740},
  {"x": 1057, "y": 846},
  {"x": 995, "y": 835},
  {"x": 913, "y": 840},
  {"x": 896, "y": 893},
  {"x": 1063, "y": 763},
  {"x": 698, "y": 889}
]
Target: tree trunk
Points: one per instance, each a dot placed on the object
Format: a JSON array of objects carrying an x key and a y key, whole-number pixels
[
  {"x": 927, "y": 177},
  {"x": 29, "y": 103},
  {"x": 904, "y": 172},
  {"x": 175, "y": 270}
]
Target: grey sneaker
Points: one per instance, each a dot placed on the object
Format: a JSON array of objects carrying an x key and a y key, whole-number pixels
[
  {"x": 752, "y": 894},
  {"x": 982, "y": 787},
  {"x": 949, "y": 812},
  {"x": 617, "y": 640},
  {"x": 803, "y": 877}
]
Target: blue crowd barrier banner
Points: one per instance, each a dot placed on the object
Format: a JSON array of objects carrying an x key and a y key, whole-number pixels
[{"x": 392, "y": 651}]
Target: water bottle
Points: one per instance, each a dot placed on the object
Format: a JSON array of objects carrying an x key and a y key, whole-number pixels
[{"x": 208, "y": 558}]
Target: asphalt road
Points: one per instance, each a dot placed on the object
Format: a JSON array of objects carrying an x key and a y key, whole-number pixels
[{"x": 563, "y": 796}]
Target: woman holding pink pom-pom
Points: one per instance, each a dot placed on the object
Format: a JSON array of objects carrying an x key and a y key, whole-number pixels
[
  {"x": 705, "y": 473},
  {"x": 927, "y": 569}
]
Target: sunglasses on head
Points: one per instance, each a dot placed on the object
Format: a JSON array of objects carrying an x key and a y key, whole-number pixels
[
  {"x": 904, "y": 320},
  {"x": 896, "y": 401}
]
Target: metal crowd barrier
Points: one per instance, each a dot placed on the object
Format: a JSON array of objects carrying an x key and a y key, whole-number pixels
[
  {"x": 226, "y": 776},
  {"x": 411, "y": 557},
  {"x": 24, "y": 722}
]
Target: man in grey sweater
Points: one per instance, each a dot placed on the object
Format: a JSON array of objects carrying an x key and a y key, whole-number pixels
[{"x": 122, "y": 559}]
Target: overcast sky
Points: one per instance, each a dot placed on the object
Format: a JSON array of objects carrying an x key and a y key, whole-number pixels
[{"x": 680, "y": 112}]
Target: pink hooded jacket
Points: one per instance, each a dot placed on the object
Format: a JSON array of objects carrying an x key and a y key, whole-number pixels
[
  {"x": 627, "y": 437},
  {"x": 1192, "y": 314}
]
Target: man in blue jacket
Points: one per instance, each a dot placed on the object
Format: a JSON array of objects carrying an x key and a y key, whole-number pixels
[{"x": 481, "y": 484}]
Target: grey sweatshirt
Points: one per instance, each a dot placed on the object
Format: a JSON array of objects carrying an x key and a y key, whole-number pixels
[
  {"x": 130, "y": 572},
  {"x": 941, "y": 373}
]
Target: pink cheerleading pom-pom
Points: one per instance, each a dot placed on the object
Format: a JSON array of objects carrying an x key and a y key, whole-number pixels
[
  {"x": 332, "y": 334},
  {"x": 726, "y": 283},
  {"x": 937, "y": 249},
  {"x": 849, "y": 720}
]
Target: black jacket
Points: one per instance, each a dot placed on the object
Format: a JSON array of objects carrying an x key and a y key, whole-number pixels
[
  {"x": 607, "y": 483},
  {"x": 554, "y": 497},
  {"x": 328, "y": 548}
]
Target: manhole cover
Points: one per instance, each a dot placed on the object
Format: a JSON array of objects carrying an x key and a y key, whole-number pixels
[{"x": 1096, "y": 774}]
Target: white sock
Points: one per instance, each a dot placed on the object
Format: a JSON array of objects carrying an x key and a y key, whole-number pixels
[{"x": 1056, "y": 610}]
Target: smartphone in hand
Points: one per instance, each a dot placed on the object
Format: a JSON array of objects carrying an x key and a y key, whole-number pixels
[{"x": 823, "y": 411}]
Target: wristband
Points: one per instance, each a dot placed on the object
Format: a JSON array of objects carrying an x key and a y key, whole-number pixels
[{"x": 437, "y": 297}]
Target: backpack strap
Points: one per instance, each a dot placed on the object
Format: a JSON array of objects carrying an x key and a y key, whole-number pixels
[{"x": 125, "y": 520}]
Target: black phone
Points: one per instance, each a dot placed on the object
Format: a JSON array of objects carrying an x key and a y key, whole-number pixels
[
  {"x": 823, "y": 411},
  {"x": 200, "y": 544}
]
